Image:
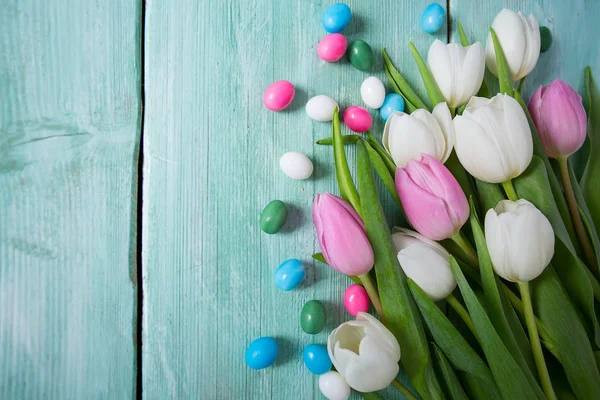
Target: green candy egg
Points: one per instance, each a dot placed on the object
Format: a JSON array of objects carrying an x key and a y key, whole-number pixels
[
  {"x": 361, "y": 55},
  {"x": 312, "y": 317},
  {"x": 545, "y": 38},
  {"x": 273, "y": 217}
]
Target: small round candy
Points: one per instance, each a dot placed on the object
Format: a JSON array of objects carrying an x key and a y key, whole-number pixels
[
  {"x": 273, "y": 217},
  {"x": 289, "y": 274},
  {"x": 356, "y": 299},
  {"x": 393, "y": 102},
  {"x": 336, "y": 17},
  {"x": 320, "y": 108},
  {"x": 372, "y": 92},
  {"x": 296, "y": 165},
  {"x": 332, "y": 47},
  {"x": 357, "y": 119},
  {"x": 361, "y": 55},
  {"x": 546, "y": 39},
  {"x": 317, "y": 359},
  {"x": 279, "y": 95},
  {"x": 262, "y": 352},
  {"x": 312, "y": 317},
  {"x": 433, "y": 18},
  {"x": 334, "y": 386}
]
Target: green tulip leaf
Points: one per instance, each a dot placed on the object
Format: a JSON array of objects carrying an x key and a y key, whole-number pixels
[
  {"x": 433, "y": 91},
  {"x": 401, "y": 86},
  {"x": 346, "y": 139},
  {"x": 504, "y": 74},
  {"x": 590, "y": 181},
  {"x": 383, "y": 173},
  {"x": 371, "y": 396},
  {"x": 452, "y": 385},
  {"x": 385, "y": 156},
  {"x": 490, "y": 195},
  {"x": 342, "y": 171}
]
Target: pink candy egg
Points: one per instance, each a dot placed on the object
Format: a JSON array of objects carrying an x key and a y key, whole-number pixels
[
  {"x": 332, "y": 47},
  {"x": 358, "y": 119},
  {"x": 356, "y": 299},
  {"x": 279, "y": 95}
]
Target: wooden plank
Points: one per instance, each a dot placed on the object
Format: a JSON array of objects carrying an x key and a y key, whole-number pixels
[
  {"x": 69, "y": 130},
  {"x": 211, "y": 154}
]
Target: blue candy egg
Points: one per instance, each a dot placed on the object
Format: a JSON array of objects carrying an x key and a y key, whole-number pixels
[
  {"x": 289, "y": 274},
  {"x": 393, "y": 102},
  {"x": 433, "y": 18},
  {"x": 262, "y": 352},
  {"x": 336, "y": 17},
  {"x": 317, "y": 359}
]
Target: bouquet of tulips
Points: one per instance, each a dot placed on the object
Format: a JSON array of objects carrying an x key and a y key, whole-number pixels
[{"x": 491, "y": 290}]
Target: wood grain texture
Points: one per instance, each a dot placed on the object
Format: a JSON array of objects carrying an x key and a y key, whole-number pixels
[{"x": 69, "y": 129}]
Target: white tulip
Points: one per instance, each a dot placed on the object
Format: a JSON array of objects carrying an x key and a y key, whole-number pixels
[
  {"x": 334, "y": 386},
  {"x": 520, "y": 240},
  {"x": 406, "y": 136},
  {"x": 493, "y": 140},
  {"x": 426, "y": 262},
  {"x": 365, "y": 353},
  {"x": 457, "y": 70},
  {"x": 520, "y": 40}
]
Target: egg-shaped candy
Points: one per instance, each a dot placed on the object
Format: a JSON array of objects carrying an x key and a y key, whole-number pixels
[
  {"x": 320, "y": 108},
  {"x": 296, "y": 165},
  {"x": 273, "y": 217},
  {"x": 289, "y": 274},
  {"x": 313, "y": 317},
  {"x": 332, "y": 47},
  {"x": 262, "y": 353},
  {"x": 279, "y": 95},
  {"x": 545, "y": 39},
  {"x": 317, "y": 359},
  {"x": 393, "y": 102},
  {"x": 372, "y": 92},
  {"x": 334, "y": 386},
  {"x": 358, "y": 119},
  {"x": 433, "y": 18},
  {"x": 361, "y": 55},
  {"x": 356, "y": 299},
  {"x": 336, "y": 17}
]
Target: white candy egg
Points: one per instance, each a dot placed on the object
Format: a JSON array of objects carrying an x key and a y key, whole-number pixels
[
  {"x": 372, "y": 92},
  {"x": 334, "y": 386},
  {"x": 296, "y": 165},
  {"x": 320, "y": 108}
]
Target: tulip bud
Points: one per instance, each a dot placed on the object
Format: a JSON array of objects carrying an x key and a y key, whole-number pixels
[
  {"x": 457, "y": 70},
  {"x": 364, "y": 352},
  {"x": 406, "y": 136},
  {"x": 520, "y": 41},
  {"x": 493, "y": 139},
  {"x": 426, "y": 262},
  {"x": 342, "y": 236},
  {"x": 432, "y": 199},
  {"x": 520, "y": 240},
  {"x": 559, "y": 117}
]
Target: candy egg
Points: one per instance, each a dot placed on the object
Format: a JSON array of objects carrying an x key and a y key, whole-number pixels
[
  {"x": 545, "y": 39},
  {"x": 372, "y": 92},
  {"x": 279, "y": 95},
  {"x": 336, "y": 17},
  {"x": 361, "y": 55},
  {"x": 273, "y": 217},
  {"x": 393, "y": 102},
  {"x": 332, "y": 47},
  {"x": 433, "y": 18},
  {"x": 296, "y": 165},
  {"x": 317, "y": 359},
  {"x": 356, "y": 299},
  {"x": 262, "y": 353},
  {"x": 334, "y": 386},
  {"x": 320, "y": 108},
  {"x": 357, "y": 119},
  {"x": 289, "y": 274},
  {"x": 312, "y": 317}
]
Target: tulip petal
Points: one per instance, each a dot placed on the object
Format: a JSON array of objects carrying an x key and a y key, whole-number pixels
[
  {"x": 441, "y": 67},
  {"x": 374, "y": 328},
  {"x": 434, "y": 129},
  {"x": 441, "y": 113},
  {"x": 471, "y": 75},
  {"x": 348, "y": 208},
  {"x": 343, "y": 359},
  {"x": 512, "y": 37},
  {"x": 408, "y": 237},
  {"x": 518, "y": 141},
  {"x": 371, "y": 372},
  {"x": 407, "y": 138},
  {"x": 531, "y": 52}
]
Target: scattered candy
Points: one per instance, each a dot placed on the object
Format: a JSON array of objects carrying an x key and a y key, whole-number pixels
[
  {"x": 296, "y": 165},
  {"x": 356, "y": 299},
  {"x": 312, "y": 317},
  {"x": 320, "y": 108},
  {"x": 393, "y": 102},
  {"x": 372, "y": 92},
  {"x": 262, "y": 353},
  {"x": 433, "y": 18},
  {"x": 546, "y": 39},
  {"x": 332, "y": 47},
  {"x": 317, "y": 359},
  {"x": 336, "y": 17},
  {"x": 334, "y": 386},
  {"x": 289, "y": 274},
  {"x": 357, "y": 119},
  {"x": 361, "y": 55},
  {"x": 279, "y": 95},
  {"x": 273, "y": 217}
]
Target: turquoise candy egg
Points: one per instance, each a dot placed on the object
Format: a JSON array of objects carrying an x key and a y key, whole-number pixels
[
  {"x": 289, "y": 274},
  {"x": 336, "y": 17},
  {"x": 262, "y": 353},
  {"x": 393, "y": 102},
  {"x": 317, "y": 359},
  {"x": 433, "y": 18}
]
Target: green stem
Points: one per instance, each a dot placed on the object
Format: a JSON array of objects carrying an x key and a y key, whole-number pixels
[
  {"x": 467, "y": 248},
  {"x": 536, "y": 345},
  {"x": 518, "y": 306},
  {"x": 373, "y": 295},
  {"x": 403, "y": 389},
  {"x": 342, "y": 171},
  {"x": 521, "y": 83},
  {"x": 461, "y": 311},
  {"x": 510, "y": 190}
]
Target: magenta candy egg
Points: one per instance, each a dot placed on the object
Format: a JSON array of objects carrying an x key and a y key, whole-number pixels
[
  {"x": 358, "y": 119},
  {"x": 279, "y": 95},
  {"x": 356, "y": 299},
  {"x": 332, "y": 47}
]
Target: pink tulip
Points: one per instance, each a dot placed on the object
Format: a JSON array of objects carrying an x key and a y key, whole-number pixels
[
  {"x": 342, "y": 236},
  {"x": 433, "y": 200},
  {"x": 559, "y": 117}
]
